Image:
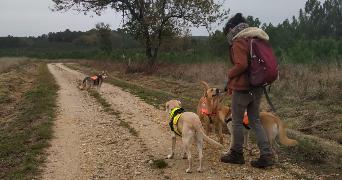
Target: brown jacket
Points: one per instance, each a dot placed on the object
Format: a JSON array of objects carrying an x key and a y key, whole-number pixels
[{"x": 238, "y": 56}]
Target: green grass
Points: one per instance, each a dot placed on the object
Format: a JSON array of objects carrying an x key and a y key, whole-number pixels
[
  {"x": 23, "y": 141},
  {"x": 110, "y": 110},
  {"x": 159, "y": 163},
  {"x": 150, "y": 96}
]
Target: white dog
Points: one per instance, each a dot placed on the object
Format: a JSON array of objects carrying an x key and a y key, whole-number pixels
[{"x": 188, "y": 126}]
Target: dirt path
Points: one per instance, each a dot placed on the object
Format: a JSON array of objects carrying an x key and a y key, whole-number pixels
[{"x": 90, "y": 144}]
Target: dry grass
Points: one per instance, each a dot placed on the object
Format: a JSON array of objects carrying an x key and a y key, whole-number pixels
[
  {"x": 8, "y": 63},
  {"x": 310, "y": 97},
  {"x": 213, "y": 73}
]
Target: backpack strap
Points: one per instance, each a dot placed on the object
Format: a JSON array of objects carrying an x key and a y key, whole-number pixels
[
  {"x": 249, "y": 44},
  {"x": 269, "y": 100},
  {"x": 249, "y": 48}
]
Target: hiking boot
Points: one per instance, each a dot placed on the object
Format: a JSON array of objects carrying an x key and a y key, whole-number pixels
[
  {"x": 264, "y": 161},
  {"x": 234, "y": 158}
]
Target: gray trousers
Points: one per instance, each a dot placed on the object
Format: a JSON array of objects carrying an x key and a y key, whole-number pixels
[{"x": 250, "y": 100}]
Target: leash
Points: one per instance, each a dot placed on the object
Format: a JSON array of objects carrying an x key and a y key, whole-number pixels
[{"x": 227, "y": 91}]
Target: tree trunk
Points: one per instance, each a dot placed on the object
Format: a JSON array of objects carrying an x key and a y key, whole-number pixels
[
  {"x": 149, "y": 56},
  {"x": 152, "y": 56}
]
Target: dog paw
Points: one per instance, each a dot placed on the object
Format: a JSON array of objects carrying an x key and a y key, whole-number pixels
[
  {"x": 169, "y": 156},
  {"x": 199, "y": 170},
  {"x": 225, "y": 153},
  {"x": 276, "y": 160},
  {"x": 188, "y": 171}
]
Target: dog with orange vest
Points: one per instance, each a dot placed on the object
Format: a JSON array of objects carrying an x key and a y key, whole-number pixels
[
  {"x": 207, "y": 110},
  {"x": 272, "y": 125},
  {"x": 211, "y": 112},
  {"x": 96, "y": 80}
]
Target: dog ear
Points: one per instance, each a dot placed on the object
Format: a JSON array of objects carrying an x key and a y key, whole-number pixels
[
  {"x": 179, "y": 103},
  {"x": 206, "y": 94},
  {"x": 102, "y": 72}
]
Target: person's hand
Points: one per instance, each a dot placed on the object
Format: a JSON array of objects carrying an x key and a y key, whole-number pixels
[{"x": 226, "y": 87}]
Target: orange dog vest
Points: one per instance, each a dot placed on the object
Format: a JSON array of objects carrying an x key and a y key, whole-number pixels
[
  {"x": 94, "y": 78},
  {"x": 245, "y": 118},
  {"x": 204, "y": 110}
]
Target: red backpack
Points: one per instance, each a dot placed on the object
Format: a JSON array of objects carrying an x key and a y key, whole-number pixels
[{"x": 263, "y": 65}]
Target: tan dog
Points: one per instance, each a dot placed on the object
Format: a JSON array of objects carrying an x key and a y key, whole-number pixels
[
  {"x": 208, "y": 109},
  {"x": 273, "y": 126},
  {"x": 96, "y": 80},
  {"x": 188, "y": 126}
]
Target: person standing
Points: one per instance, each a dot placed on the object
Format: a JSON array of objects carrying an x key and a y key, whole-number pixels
[{"x": 244, "y": 96}]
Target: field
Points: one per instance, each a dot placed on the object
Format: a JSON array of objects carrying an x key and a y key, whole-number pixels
[
  {"x": 10, "y": 63},
  {"x": 307, "y": 98}
]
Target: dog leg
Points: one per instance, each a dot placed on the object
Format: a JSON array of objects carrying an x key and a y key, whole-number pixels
[
  {"x": 187, "y": 149},
  {"x": 184, "y": 156},
  {"x": 272, "y": 150},
  {"x": 173, "y": 139},
  {"x": 207, "y": 127},
  {"x": 275, "y": 147},
  {"x": 246, "y": 141},
  {"x": 219, "y": 127},
  {"x": 199, "y": 143},
  {"x": 230, "y": 129},
  {"x": 186, "y": 142},
  {"x": 99, "y": 88}
]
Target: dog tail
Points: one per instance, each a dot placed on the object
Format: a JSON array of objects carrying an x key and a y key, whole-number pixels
[
  {"x": 282, "y": 134},
  {"x": 83, "y": 84},
  {"x": 206, "y": 138},
  {"x": 85, "y": 80},
  {"x": 206, "y": 87}
]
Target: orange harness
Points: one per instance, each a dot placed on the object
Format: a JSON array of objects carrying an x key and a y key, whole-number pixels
[
  {"x": 204, "y": 110},
  {"x": 244, "y": 123},
  {"x": 245, "y": 118},
  {"x": 94, "y": 78}
]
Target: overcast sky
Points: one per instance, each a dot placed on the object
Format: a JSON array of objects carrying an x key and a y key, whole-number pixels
[{"x": 34, "y": 18}]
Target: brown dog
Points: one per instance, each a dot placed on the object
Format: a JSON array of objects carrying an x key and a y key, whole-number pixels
[
  {"x": 188, "y": 126},
  {"x": 207, "y": 109},
  {"x": 273, "y": 126}
]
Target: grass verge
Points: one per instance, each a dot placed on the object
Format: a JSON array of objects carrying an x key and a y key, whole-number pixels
[{"x": 23, "y": 141}]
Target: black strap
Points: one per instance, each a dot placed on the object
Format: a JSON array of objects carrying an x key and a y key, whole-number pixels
[
  {"x": 269, "y": 100},
  {"x": 246, "y": 126}
]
